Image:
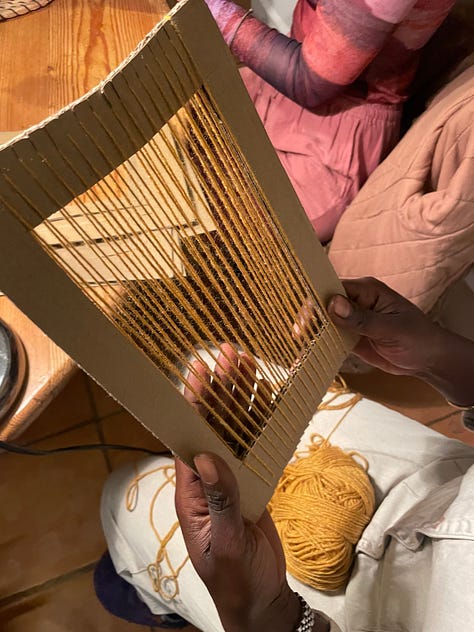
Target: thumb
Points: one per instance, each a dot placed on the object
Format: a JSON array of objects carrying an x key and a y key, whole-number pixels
[
  {"x": 351, "y": 317},
  {"x": 223, "y": 499}
]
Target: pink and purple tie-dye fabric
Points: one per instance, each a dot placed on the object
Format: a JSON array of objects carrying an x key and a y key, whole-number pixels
[{"x": 369, "y": 45}]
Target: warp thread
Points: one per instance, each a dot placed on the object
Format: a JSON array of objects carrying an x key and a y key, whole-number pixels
[{"x": 321, "y": 506}]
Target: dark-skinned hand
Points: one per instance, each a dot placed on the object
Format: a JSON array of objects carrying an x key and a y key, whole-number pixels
[{"x": 241, "y": 563}]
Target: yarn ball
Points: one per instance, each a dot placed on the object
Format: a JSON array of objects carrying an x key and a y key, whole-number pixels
[{"x": 321, "y": 506}]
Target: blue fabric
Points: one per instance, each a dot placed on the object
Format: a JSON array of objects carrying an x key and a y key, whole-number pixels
[{"x": 121, "y": 599}]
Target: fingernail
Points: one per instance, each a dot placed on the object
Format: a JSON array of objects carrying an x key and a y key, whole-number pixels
[
  {"x": 207, "y": 469},
  {"x": 341, "y": 307}
]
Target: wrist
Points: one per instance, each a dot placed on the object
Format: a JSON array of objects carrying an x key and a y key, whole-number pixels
[
  {"x": 288, "y": 613},
  {"x": 228, "y": 16},
  {"x": 311, "y": 620},
  {"x": 283, "y": 614},
  {"x": 450, "y": 368},
  {"x": 437, "y": 345}
]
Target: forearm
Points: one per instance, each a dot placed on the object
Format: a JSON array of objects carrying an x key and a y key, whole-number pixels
[
  {"x": 331, "y": 51},
  {"x": 320, "y": 625},
  {"x": 278, "y": 59},
  {"x": 451, "y": 369}
]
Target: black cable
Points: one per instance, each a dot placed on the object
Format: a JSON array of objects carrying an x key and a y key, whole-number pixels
[{"x": 19, "y": 449}]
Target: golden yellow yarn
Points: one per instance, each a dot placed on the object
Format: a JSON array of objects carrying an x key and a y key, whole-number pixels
[
  {"x": 164, "y": 583},
  {"x": 323, "y": 502}
]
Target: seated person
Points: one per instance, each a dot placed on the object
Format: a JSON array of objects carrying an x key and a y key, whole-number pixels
[
  {"x": 330, "y": 95},
  {"x": 414, "y": 565}
]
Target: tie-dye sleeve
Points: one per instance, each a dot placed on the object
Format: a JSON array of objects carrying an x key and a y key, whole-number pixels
[{"x": 344, "y": 36}]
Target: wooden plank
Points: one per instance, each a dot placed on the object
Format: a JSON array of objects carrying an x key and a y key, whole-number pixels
[{"x": 52, "y": 57}]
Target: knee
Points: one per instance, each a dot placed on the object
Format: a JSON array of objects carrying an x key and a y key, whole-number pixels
[{"x": 132, "y": 498}]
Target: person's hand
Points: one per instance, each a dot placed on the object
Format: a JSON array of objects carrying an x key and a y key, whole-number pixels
[
  {"x": 399, "y": 338},
  {"x": 241, "y": 563},
  {"x": 231, "y": 394},
  {"x": 395, "y": 335}
]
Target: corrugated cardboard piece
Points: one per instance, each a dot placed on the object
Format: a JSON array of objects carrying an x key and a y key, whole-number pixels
[{"x": 59, "y": 168}]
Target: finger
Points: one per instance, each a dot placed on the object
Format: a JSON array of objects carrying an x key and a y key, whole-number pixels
[
  {"x": 192, "y": 510},
  {"x": 304, "y": 321},
  {"x": 371, "y": 294},
  {"x": 367, "y": 352},
  {"x": 346, "y": 314},
  {"x": 189, "y": 488},
  {"x": 223, "y": 500},
  {"x": 367, "y": 292},
  {"x": 266, "y": 524},
  {"x": 225, "y": 375},
  {"x": 364, "y": 322},
  {"x": 263, "y": 398},
  {"x": 197, "y": 391},
  {"x": 245, "y": 384}
]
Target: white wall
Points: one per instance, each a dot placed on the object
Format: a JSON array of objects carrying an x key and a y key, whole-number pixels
[{"x": 275, "y": 13}]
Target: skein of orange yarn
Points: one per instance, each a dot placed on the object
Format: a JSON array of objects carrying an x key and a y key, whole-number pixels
[{"x": 322, "y": 504}]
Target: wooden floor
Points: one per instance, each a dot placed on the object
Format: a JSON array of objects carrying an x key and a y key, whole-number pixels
[
  {"x": 56, "y": 54},
  {"x": 48, "y": 59},
  {"x": 51, "y": 536}
]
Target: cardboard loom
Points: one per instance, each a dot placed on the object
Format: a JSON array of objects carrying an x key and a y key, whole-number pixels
[{"x": 44, "y": 170}]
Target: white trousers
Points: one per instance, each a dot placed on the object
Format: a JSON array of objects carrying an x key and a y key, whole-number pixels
[{"x": 397, "y": 449}]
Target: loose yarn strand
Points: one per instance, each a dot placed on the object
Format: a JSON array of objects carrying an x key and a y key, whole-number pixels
[{"x": 159, "y": 580}]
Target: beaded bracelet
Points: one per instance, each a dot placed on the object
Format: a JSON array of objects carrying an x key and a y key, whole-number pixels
[{"x": 307, "y": 620}]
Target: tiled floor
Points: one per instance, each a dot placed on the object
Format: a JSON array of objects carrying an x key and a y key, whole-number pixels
[
  {"x": 50, "y": 535},
  {"x": 50, "y": 532}
]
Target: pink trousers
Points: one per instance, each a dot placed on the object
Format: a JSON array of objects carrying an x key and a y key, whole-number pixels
[{"x": 327, "y": 153}]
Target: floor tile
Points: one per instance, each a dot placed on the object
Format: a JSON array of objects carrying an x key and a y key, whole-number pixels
[
  {"x": 124, "y": 429},
  {"x": 70, "y": 605},
  {"x": 50, "y": 511},
  {"x": 104, "y": 404},
  {"x": 72, "y": 406},
  {"x": 408, "y": 395}
]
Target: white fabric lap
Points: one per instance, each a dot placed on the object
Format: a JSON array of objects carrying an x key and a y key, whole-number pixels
[
  {"x": 133, "y": 545},
  {"x": 395, "y": 447}
]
